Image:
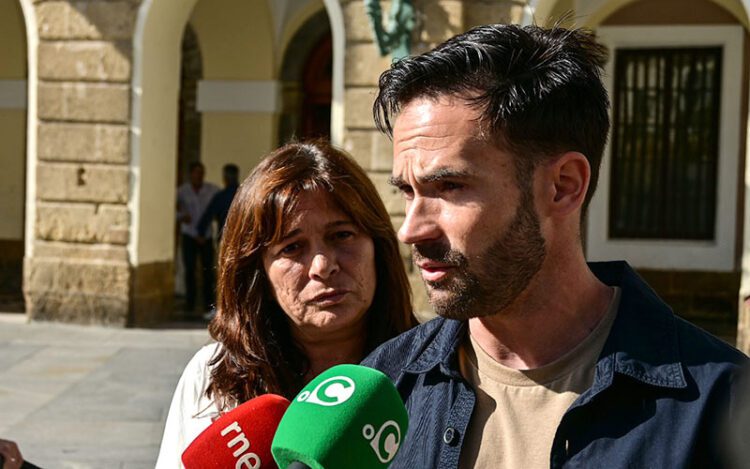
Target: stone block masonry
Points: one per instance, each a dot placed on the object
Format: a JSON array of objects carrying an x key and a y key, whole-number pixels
[
  {"x": 80, "y": 271},
  {"x": 95, "y": 143}
]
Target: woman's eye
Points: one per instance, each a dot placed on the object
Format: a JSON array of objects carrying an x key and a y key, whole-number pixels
[
  {"x": 343, "y": 234},
  {"x": 289, "y": 249}
]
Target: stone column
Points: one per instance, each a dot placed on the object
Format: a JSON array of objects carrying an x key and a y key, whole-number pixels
[
  {"x": 78, "y": 269},
  {"x": 437, "y": 21}
]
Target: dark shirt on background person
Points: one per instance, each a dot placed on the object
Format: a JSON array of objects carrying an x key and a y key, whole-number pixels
[{"x": 218, "y": 208}]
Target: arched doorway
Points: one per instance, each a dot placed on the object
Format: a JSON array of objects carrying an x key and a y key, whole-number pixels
[
  {"x": 13, "y": 76},
  {"x": 316, "y": 83},
  {"x": 307, "y": 77},
  {"x": 188, "y": 138}
]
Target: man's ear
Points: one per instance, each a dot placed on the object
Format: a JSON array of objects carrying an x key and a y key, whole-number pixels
[{"x": 567, "y": 180}]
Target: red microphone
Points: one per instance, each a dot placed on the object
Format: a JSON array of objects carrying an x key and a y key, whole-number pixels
[{"x": 239, "y": 439}]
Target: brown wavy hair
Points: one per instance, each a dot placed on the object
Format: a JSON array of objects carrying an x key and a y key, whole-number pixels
[{"x": 257, "y": 353}]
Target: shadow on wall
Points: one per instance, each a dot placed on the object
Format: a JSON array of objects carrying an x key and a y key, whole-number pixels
[{"x": 108, "y": 21}]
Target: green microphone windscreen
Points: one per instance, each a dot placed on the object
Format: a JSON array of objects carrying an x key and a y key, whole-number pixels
[{"x": 348, "y": 416}]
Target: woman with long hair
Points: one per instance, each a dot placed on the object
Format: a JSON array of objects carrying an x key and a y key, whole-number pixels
[{"x": 310, "y": 276}]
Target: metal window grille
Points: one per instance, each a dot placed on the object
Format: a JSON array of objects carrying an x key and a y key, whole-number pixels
[{"x": 665, "y": 143}]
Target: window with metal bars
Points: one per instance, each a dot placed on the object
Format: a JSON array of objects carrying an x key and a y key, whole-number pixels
[{"x": 665, "y": 145}]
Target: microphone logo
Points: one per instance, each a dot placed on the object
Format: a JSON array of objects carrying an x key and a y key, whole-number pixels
[
  {"x": 385, "y": 442},
  {"x": 331, "y": 392}
]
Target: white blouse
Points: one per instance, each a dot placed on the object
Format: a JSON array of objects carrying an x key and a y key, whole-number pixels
[{"x": 191, "y": 411}]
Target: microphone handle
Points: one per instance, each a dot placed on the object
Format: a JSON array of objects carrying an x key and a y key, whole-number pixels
[
  {"x": 298, "y": 465},
  {"x": 27, "y": 465}
]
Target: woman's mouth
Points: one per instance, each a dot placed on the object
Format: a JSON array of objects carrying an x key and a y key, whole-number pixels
[{"x": 329, "y": 297}]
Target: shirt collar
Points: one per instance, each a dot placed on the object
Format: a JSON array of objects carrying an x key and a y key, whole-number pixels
[
  {"x": 642, "y": 344},
  {"x": 441, "y": 349}
]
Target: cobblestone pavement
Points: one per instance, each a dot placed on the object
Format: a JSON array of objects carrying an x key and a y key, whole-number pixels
[{"x": 89, "y": 397}]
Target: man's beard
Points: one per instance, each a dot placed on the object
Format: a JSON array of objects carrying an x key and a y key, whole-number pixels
[{"x": 490, "y": 281}]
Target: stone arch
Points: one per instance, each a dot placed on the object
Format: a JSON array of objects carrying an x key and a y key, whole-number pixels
[
  {"x": 18, "y": 32},
  {"x": 310, "y": 36},
  {"x": 189, "y": 126}
]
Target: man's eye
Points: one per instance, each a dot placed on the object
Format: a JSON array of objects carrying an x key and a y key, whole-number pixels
[
  {"x": 450, "y": 186},
  {"x": 406, "y": 191}
]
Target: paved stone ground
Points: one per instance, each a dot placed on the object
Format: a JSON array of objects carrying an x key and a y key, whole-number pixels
[{"x": 89, "y": 397}]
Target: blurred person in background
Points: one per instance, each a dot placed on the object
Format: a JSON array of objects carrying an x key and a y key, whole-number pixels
[
  {"x": 218, "y": 208},
  {"x": 193, "y": 198}
]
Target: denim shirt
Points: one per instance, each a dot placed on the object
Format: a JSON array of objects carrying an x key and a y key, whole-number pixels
[{"x": 661, "y": 388}]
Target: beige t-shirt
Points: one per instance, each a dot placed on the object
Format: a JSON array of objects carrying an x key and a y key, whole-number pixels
[{"x": 518, "y": 411}]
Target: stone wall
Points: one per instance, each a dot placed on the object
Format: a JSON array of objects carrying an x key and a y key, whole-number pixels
[
  {"x": 79, "y": 270},
  {"x": 437, "y": 20}
]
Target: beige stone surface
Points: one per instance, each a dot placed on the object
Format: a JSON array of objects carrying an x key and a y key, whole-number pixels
[
  {"x": 84, "y": 102},
  {"x": 85, "y": 60},
  {"x": 743, "y": 327},
  {"x": 63, "y": 250},
  {"x": 100, "y": 143},
  {"x": 358, "y": 108},
  {"x": 357, "y": 23},
  {"x": 357, "y": 144},
  {"x": 153, "y": 293},
  {"x": 372, "y": 149},
  {"x": 364, "y": 64},
  {"x": 391, "y": 196},
  {"x": 81, "y": 223},
  {"x": 441, "y": 20},
  {"x": 86, "y": 19},
  {"x": 479, "y": 12},
  {"x": 75, "y": 308},
  {"x": 82, "y": 182},
  {"x": 78, "y": 276}
]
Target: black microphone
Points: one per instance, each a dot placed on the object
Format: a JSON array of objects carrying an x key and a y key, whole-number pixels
[{"x": 24, "y": 465}]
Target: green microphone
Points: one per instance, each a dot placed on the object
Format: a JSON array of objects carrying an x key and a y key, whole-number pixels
[{"x": 348, "y": 416}]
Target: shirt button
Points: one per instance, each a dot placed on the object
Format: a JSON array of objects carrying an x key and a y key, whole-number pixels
[{"x": 449, "y": 436}]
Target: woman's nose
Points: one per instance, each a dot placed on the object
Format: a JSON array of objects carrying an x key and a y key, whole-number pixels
[{"x": 323, "y": 265}]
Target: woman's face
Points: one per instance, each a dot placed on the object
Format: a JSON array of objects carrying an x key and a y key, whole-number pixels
[{"x": 322, "y": 272}]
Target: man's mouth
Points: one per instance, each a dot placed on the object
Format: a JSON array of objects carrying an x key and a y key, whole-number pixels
[{"x": 434, "y": 271}]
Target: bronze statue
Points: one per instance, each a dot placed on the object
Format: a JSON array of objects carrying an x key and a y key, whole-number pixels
[{"x": 396, "y": 38}]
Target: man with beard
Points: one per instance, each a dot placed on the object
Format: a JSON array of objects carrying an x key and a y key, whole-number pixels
[{"x": 538, "y": 359}]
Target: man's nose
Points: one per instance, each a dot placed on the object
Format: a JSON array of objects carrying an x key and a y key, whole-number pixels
[{"x": 420, "y": 224}]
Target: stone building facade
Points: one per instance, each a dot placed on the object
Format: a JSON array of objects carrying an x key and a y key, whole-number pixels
[{"x": 94, "y": 152}]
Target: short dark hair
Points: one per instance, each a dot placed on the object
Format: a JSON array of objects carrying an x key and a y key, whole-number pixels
[
  {"x": 194, "y": 165},
  {"x": 539, "y": 90},
  {"x": 231, "y": 171}
]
